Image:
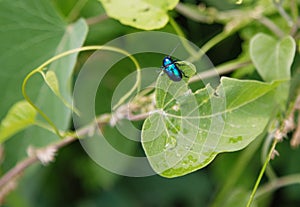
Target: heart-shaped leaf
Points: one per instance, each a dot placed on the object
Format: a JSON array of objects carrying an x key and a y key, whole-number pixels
[
  {"x": 32, "y": 32},
  {"x": 190, "y": 129},
  {"x": 272, "y": 58},
  {"x": 141, "y": 14}
]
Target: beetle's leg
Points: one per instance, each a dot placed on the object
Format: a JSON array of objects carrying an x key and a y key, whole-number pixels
[
  {"x": 183, "y": 74},
  {"x": 178, "y": 64}
]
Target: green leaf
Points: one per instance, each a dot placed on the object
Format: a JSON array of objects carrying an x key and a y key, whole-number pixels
[
  {"x": 142, "y": 14},
  {"x": 272, "y": 58},
  {"x": 52, "y": 81},
  {"x": 189, "y": 129},
  {"x": 20, "y": 116},
  {"x": 44, "y": 34},
  {"x": 188, "y": 68}
]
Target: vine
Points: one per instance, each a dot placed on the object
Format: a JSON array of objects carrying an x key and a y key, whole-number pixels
[{"x": 87, "y": 48}]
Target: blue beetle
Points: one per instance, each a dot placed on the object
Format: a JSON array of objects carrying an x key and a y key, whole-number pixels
[{"x": 170, "y": 67}]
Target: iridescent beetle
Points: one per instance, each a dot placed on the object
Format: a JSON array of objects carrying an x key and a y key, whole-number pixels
[{"x": 170, "y": 67}]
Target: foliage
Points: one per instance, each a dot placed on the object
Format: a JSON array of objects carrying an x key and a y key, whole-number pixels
[
  {"x": 147, "y": 15},
  {"x": 190, "y": 142},
  {"x": 183, "y": 126}
]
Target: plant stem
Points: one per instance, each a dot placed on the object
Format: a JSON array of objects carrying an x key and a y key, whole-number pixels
[
  {"x": 94, "y": 20},
  {"x": 71, "y": 137},
  {"x": 22, "y": 165},
  {"x": 271, "y": 26},
  {"x": 208, "y": 45},
  {"x": 27, "y": 98},
  {"x": 294, "y": 10},
  {"x": 278, "y": 183},
  {"x": 220, "y": 70},
  {"x": 282, "y": 12},
  {"x": 193, "y": 14},
  {"x": 269, "y": 170},
  {"x": 268, "y": 158},
  {"x": 69, "y": 52},
  {"x": 44, "y": 125},
  {"x": 76, "y": 10},
  {"x": 236, "y": 171},
  {"x": 295, "y": 16}
]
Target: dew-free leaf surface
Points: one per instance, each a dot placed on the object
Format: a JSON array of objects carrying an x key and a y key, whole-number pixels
[
  {"x": 20, "y": 116},
  {"x": 142, "y": 14},
  {"x": 189, "y": 129},
  {"x": 272, "y": 58}
]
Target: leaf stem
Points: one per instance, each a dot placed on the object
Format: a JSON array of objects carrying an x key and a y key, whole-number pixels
[
  {"x": 268, "y": 158},
  {"x": 282, "y": 12},
  {"x": 210, "y": 44},
  {"x": 278, "y": 183},
  {"x": 295, "y": 14},
  {"x": 73, "y": 14},
  {"x": 271, "y": 26},
  {"x": 71, "y": 137},
  {"x": 269, "y": 170},
  {"x": 220, "y": 69},
  {"x": 193, "y": 14},
  {"x": 96, "y": 19},
  {"x": 69, "y": 52},
  {"x": 294, "y": 10},
  {"x": 27, "y": 98},
  {"x": 236, "y": 171},
  {"x": 44, "y": 126}
]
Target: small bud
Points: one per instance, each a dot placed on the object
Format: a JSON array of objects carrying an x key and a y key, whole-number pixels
[
  {"x": 113, "y": 120},
  {"x": 44, "y": 155},
  {"x": 279, "y": 135}
]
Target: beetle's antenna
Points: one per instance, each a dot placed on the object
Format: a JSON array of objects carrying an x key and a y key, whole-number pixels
[{"x": 174, "y": 48}]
